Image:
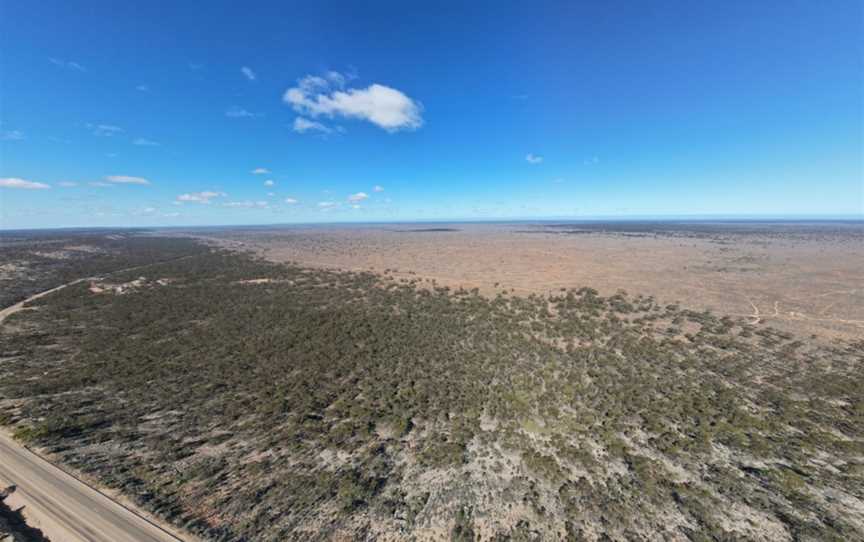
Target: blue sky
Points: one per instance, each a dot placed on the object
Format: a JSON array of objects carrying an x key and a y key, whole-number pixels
[{"x": 158, "y": 113}]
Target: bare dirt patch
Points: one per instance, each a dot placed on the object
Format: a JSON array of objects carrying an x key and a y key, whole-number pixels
[{"x": 806, "y": 279}]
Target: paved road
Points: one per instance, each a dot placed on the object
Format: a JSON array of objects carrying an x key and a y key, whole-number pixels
[{"x": 65, "y": 508}]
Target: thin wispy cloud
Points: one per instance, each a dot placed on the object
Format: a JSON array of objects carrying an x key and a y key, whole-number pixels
[
  {"x": 22, "y": 184},
  {"x": 143, "y": 88},
  {"x": 533, "y": 158},
  {"x": 358, "y": 197},
  {"x": 104, "y": 130},
  {"x": 378, "y": 188},
  {"x": 260, "y": 171},
  {"x": 247, "y": 204},
  {"x": 67, "y": 64},
  {"x": 100, "y": 184},
  {"x": 67, "y": 184},
  {"x": 248, "y": 73},
  {"x": 12, "y": 135},
  {"x": 291, "y": 201},
  {"x": 386, "y": 107},
  {"x": 145, "y": 142},
  {"x": 303, "y": 125},
  {"x": 240, "y": 113},
  {"x": 327, "y": 204},
  {"x": 269, "y": 182},
  {"x": 126, "y": 179},
  {"x": 154, "y": 212},
  {"x": 200, "y": 197}
]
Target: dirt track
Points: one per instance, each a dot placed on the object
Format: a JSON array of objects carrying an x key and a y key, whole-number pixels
[{"x": 9, "y": 311}]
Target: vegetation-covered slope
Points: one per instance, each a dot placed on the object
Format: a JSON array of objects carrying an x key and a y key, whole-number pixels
[{"x": 252, "y": 401}]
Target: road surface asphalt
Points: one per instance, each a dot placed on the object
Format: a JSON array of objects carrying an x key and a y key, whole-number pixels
[{"x": 65, "y": 508}]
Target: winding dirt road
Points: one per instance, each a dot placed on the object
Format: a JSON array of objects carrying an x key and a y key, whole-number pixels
[{"x": 9, "y": 311}]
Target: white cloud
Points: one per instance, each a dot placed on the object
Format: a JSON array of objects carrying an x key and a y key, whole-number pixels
[
  {"x": 247, "y": 71},
  {"x": 337, "y": 79},
  {"x": 125, "y": 179},
  {"x": 104, "y": 130},
  {"x": 247, "y": 204},
  {"x": 269, "y": 182},
  {"x": 240, "y": 113},
  {"x": 11, "y": 135},
  {"x": 533, "y": 158},
  {"x": 69, "y": 65},
  {"x": 67, "y": 184},
  {"x": 291, "y": 201},
  {"x": 358, "y": 197},
  {"x": 154, "y": 212},
  {"x": 260, "y": 171},
  {"x": 355, "y": 206},
  {"x": 22, "y": 184},
  {"x": 381, "y": 105},
  {"x": 378, "y": 188},
  {"x": 146, "y": 142},
  {"x": 200, "y": 197},
  {"x": 327, "y": 204},
  {"x": 143, "y": 88},
  {"x": 302, "y": 125}
]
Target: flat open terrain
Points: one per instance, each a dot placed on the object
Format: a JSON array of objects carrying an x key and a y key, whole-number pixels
[
  {"x": 807, "y": 278},
  {"x": 243, "y": 399}
]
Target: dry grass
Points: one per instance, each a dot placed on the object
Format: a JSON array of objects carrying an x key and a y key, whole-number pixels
[{"x": 805, "y": 279}]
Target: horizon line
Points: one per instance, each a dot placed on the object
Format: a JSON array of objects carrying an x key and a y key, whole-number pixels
[{"x": 588, "y": 218}]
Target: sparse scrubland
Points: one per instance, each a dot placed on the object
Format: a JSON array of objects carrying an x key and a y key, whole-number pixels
[
  {"x": 31, "y": 262},
  {"x": 247, "y": 400}
]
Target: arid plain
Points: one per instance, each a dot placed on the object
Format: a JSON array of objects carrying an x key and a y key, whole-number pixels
[
  {"x": 804, "y": 278},
  {"x": 361, "y": 388}
]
